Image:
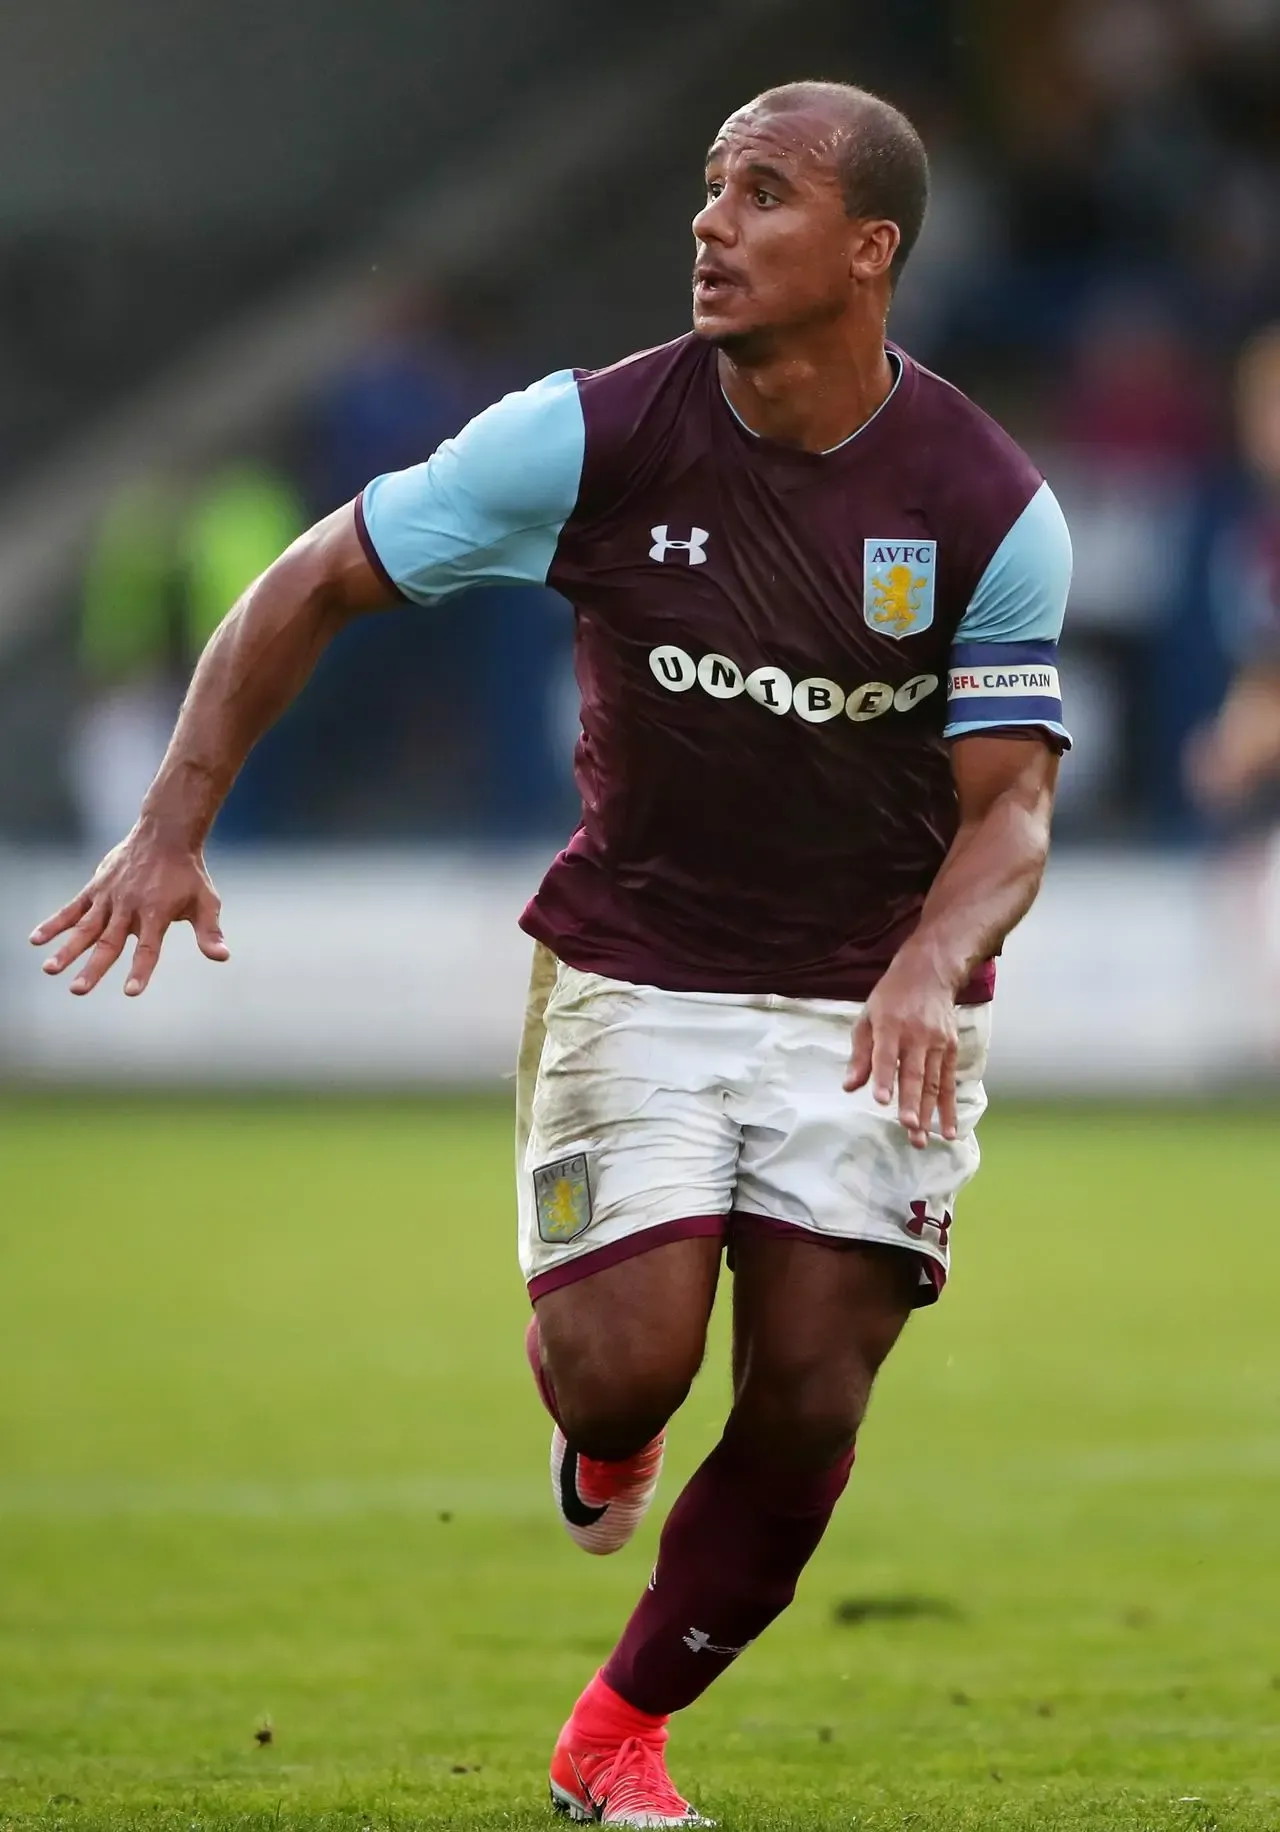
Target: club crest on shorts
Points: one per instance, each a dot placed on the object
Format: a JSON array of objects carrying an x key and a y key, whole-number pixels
[
  {"x": 897, "y": 586},
  {"x": 562, "y": 1192}
]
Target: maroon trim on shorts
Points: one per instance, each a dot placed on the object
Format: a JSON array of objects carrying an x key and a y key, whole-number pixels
[
  {"x": 372, "y": 555},
  {"x": 599, "y": 1259},
  {"x": 934, "y": 1270}
]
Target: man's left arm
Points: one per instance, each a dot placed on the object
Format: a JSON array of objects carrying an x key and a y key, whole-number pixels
[
  {"x": 987, "y": 883},
  {"x": 1006, "y": 732}
]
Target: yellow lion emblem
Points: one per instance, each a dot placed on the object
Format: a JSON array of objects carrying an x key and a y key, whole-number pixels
[
  {"x": 564, "y": 1209},
  {"x": 897, "y": 599}
]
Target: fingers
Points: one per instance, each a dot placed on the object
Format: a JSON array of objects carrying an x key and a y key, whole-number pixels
[
  {"x": 930, "y": 1093},
  {"x": 928, "y": 1075},
  {"x": 948, "y": 1118},
  {"x": 139, "y": 889},
  {"x": 55, "y": 925},
  {"x": 145, "y": 956},
  {"x": 913, "y": 1066},
  {"x": 105, "y": 955},
  {"x": 884, "y": 1061},
  {"x": 875, "y": 1058},
  {"x": 923, "y": 1068},
  {"x": 209, "y": 938},
  {"x": 859, "y": 1069},
  {"x": 87, "y": 930}
]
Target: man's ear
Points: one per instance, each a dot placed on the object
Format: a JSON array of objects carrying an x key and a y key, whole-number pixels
[{"x": 874, "y": 247}]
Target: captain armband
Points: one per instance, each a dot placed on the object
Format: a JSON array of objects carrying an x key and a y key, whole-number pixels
[{"x": 992, "y": 684}]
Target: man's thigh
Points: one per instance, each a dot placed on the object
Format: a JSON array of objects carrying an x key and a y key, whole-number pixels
[
  {"x": 838, "y": 1166},
  {"x": 626, "y": 1137},
  {"x": 621, "y": 1346}
]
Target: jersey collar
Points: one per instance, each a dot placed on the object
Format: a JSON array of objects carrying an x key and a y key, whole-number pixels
[{"x": 899, "y": 370}]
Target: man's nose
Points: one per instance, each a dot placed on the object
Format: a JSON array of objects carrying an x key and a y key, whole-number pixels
[{"x": 714, "y": 222}]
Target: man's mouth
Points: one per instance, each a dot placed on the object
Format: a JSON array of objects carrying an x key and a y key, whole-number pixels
[{"x": 711, "y": 280}]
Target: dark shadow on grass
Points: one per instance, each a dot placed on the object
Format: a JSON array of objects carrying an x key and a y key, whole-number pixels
[{"x": 852, "y": 1612}]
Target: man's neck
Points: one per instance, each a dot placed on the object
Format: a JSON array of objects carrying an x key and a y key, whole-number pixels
[{"x": 813, "y": 399}]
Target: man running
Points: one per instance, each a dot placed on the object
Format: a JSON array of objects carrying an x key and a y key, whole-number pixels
[{"x": 817, "y": 597}]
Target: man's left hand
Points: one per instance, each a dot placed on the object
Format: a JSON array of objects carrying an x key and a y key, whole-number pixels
[{"x": 907, "y": 1033}]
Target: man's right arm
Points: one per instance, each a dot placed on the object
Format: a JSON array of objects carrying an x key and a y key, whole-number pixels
[
  {"x": 257, "y": 661},
  {"x": 488, "y": 506}
]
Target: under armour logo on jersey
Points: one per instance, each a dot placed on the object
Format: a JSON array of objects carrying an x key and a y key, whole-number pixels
[{"x": 695, "y": 546}]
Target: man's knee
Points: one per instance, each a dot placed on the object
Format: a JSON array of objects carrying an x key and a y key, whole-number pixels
[
  {"x": 615, "y": 1418},
  {"x": 622, "y": 1346},
  {"x": 614, "y": 1393}
]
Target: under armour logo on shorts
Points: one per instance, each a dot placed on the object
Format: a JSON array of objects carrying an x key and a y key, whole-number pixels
[
  {"x": 922, "y": 1219},
  {"x": 695, "y": 546}
]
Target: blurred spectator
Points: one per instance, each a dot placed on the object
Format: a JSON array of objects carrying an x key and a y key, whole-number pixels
[
  {"x": 430, "y": 721},
  {"x": 1141, "y": 140},
  {"x": 1139, "y": 391},
  {"x": 961, "y": 242},
  {"x": 410, "y": 386},
  {"x": 1240, "y": 751},
  {"x": 129, "y": 663},
  {"x": 1234, "y": 761},
  {"x": 1102, "y": 239},
  {"x": 238, "y": 520},
  {"x": 168, "y": 562}
]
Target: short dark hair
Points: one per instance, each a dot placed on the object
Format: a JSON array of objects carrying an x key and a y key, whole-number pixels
[{"x": 883, "y": 167}]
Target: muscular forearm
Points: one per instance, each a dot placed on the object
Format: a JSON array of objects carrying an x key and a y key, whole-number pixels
[
  {"x": 255, "y": 664},
  {"x": 987, "y": 883}
]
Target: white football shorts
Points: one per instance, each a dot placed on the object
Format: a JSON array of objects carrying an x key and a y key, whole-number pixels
[{"x": 645, "y": 1115}]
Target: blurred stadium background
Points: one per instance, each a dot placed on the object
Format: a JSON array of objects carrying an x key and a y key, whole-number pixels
[
  {"x": 252, "y": 265},
  {"x": 250, "y": 257}
]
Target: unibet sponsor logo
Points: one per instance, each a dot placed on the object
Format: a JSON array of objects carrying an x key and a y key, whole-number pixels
[{"x": 815, "y": 700}]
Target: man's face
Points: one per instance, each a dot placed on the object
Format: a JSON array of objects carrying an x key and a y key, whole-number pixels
[{"x": 775, "y": 248}]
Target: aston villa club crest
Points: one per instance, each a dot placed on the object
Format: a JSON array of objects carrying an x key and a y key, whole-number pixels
[
  {"x": 562, "y": 1193},
  {"x": 897, "y": 586}
]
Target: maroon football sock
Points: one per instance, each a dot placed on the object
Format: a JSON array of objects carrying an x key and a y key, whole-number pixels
[{"x": 729, "y": 1559}]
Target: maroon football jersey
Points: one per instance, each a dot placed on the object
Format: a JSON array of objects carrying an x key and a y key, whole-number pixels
[{"x": 772, "y": 646}]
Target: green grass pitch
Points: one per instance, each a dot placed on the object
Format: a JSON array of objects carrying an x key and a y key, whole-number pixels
[{"x": 269, "y": 1457}]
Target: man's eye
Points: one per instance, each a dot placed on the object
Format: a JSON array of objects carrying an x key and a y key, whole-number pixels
[
  {"x": 765, "y": 199},
  {"x": 714, "y": 189}
]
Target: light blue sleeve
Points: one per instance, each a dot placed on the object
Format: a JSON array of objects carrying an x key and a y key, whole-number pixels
[
  {"x": 1022, "y": 596},
  {"x": 1004, "y": 662},
  {"x": 488, "y": 506}
]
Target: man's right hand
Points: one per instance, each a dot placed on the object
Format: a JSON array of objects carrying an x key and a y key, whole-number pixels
[{"x": 141, "y": 887}]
